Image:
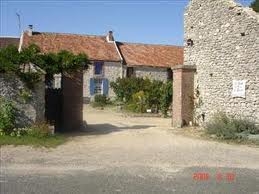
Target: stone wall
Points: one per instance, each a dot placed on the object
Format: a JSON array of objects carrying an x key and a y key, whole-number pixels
[
  {"x": 224, "y": 46},
  {"x": 28, "y": 111},
  {"x": 153, "y": 73},
  {"x": 112, "y": 70}
]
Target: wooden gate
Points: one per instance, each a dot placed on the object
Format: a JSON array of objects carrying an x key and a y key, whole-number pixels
[
  {"x": 72, "y": 103},
  {"x": 64, "y": 107},
  {"x": 53, "y": 106}
]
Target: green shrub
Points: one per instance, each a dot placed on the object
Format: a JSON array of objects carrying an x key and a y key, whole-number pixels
[
  {"x": 100, "y": 100},
  {"x": 228, "y": 127},
  {"x": 124, "y": 88},
  {"x": 138, "y": 103},
  {"x": 7, "y": 116},
  {"x": 39, "y": 130},
  {"x": 245, "y": 125},
  {"x": 30, "y": 78},
  {"x": 153, "y": 94},
  {"x": 158, "y": 95},
  {"x": 166, "y": 97}
]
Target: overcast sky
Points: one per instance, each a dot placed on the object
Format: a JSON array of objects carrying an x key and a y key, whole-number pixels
[{"x": 150, "y": 21}]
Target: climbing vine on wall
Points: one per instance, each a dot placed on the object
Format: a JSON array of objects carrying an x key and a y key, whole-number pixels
[{"x": 13, "y": 61}]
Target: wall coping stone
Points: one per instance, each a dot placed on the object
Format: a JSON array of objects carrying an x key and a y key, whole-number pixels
[{"x": 184, "y": 67}]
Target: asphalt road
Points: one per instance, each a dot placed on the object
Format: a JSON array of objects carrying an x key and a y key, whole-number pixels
[{"x": 121, "y": 180}]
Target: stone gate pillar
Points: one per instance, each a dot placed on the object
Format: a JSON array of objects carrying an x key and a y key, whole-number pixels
[{"x": 183, "y": 92}]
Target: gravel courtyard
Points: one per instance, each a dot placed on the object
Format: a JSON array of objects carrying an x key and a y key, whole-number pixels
[{"x": 137, "y": 149}]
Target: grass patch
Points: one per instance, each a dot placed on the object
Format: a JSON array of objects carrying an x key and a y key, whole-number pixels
[{"x": 47, "y": 141}]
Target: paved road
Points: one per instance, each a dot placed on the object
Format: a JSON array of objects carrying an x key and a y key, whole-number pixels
[
  {"x": 121, "y": 154},
  {"x": 119, "y": 180}
]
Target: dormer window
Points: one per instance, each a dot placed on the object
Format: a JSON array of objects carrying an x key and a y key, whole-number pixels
[{"x": 98, "y": 68}]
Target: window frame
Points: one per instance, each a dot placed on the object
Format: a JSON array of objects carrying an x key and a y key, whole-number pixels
[
  {"x": 130, "y": 72},
  {"x": 100, "y": 84},
  {"x": 102, "y": 68}
]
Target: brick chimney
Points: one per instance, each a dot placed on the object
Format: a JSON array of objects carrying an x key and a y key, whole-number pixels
[
  {"x": 30, "y": 29},
  {"x": 110, "y": 37}
]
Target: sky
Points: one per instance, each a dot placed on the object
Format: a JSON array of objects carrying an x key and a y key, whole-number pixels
[{"x": 142, "y": 21}]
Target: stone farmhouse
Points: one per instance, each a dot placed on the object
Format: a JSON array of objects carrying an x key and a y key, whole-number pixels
[
  {"x": 221, "y": 59},
  {"x": 110, "y": 59}
]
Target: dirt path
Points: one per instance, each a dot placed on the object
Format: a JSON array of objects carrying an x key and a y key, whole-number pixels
[{"x": 114, "y": 140}]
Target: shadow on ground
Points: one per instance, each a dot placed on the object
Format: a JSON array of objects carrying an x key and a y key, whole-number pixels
[{"x": 102, "y": 129}]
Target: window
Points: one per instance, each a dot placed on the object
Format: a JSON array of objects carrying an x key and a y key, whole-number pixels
[
  {"x": 130, "y": 72},
  {"x": 169, "y": 74},
  {"x": 98, "y": 68},
  {"x": 98, "y": 84}
]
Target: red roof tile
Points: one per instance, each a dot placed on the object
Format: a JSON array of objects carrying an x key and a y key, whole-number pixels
[
  {"x": 5, "y": 41},
  {"x": 151, "y": 55},
  {"x": 96, "y": 47}
]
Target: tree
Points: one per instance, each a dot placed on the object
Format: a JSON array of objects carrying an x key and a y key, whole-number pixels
[{"x": 255, "y": 5}]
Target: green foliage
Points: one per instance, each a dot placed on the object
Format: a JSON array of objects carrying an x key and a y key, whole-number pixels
[
  {"x": 100, "y": 100},
  {"x": 124, "y": 88},
  {"x": 228, "y": 127},
  {"x": 166, "y": 97},
  {"x": 12, "y": 61},
  {"x": 63, "y": 61},
  {"x": 153, "y": 94},
  {"x": 39, "y": 130},
  {"x": 36, "y": 130},
  {"x": 25, "y": 95},
  {"x": 7, "y": 116},
  {"x": 18, "y": 132},
  {"x": 30, "y": 78},
  {"x": 138, "y": 103},
  {"x": 156, "y": 94},
  {"x": 29, "y": 55},
  {"x": 245, "y": 125},
  {"x": 9, "y": 59},
  {"x": 49, "y": 141},
  {"x": 255, "y": 5}
]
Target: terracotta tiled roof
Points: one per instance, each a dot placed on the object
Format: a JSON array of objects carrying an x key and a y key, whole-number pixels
[
  {"x": 96, "y": 47},
  {"x": 5, "y": 41},
  {"x": 151, "y": 55}
]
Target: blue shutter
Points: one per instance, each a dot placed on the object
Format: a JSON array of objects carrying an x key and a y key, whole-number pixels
[
  {"x": 91, "y": 86},
  {"x": 105, "y": 87}
]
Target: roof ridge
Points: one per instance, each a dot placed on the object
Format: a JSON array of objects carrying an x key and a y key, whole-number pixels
[
  {"x": 62, "y": 33},
  {"x": 9, "y": 37},
  {"x": 137, "y": 43}
]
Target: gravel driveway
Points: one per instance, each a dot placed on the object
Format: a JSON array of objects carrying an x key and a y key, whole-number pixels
[{"x": 115, "y": 141}]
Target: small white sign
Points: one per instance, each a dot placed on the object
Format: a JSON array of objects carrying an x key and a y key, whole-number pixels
[{"x": 239, "y": 88}]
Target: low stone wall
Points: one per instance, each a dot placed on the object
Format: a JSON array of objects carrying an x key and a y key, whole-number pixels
[{"x": 27, "y": 111}]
